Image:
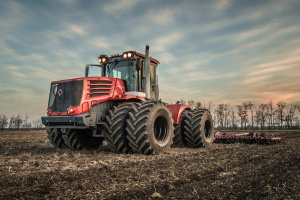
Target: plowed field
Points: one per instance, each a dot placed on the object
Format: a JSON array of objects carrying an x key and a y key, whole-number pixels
[{"x": 30, "y": 168}]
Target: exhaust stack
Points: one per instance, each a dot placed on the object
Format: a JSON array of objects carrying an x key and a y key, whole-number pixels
[{"x": 147, "y": 73}]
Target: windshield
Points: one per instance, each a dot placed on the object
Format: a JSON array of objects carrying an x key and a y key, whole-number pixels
[{"x": 125, "y": 71}]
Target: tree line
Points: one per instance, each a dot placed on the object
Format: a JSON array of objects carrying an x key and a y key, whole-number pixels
[
  {"x": 247, "y": 115},
  {"x": 19, "y": 122}
]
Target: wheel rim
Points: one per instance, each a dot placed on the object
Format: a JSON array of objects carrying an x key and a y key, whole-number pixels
[
  {"x": 207, "y": 129},
  {"x": 160, "y": 129}
]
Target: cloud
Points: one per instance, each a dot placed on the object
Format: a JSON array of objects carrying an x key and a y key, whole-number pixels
[
  {"x": 161, "y": 17},
  {"x": 100, "y": 42},
  {"x": 117, "y": 6},
  {"x": 15, "y": 16},
  {"x": 68, "y": 31},
  {"x": 256, "y": 79},
  {"x": 209, "y": 50},
  {"x": 221, "y": 5},
  {"x": 17, "y": 74},
  {"x": 165, "y": 42},
  {"x": 77, "y": 30}
]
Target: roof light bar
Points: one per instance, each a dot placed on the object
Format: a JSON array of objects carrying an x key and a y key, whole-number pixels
[
  {"x": 103, "y": 59},
  {"x": 128, "y": 55}
]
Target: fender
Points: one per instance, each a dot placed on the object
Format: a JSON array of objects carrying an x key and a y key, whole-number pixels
[{"x": 176, "y": 110}]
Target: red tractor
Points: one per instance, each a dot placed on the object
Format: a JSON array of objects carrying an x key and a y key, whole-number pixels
[{"x": 121, "y": 105}]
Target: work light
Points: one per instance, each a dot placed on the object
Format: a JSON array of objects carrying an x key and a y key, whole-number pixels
[
  {"x": 127, "y": 55},
  {"x": 103, "y": 59}
]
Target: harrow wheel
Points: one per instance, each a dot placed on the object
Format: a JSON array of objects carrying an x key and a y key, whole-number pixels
[
  {"x": 178, "y": 140},
  {"x": 150, "y": 128},
  {"x": 77, "y": 139},
  {"x": 115, "y": 132},
  {"x": 55, "y": 137},
  {"x": 198, "y": 129}
]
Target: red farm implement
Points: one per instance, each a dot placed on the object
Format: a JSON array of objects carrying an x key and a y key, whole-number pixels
[{"x": 248, "y": 138}]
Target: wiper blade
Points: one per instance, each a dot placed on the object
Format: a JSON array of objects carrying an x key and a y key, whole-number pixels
[{"x": 115, "y": 63}]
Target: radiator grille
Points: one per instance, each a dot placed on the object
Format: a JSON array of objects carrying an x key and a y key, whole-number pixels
[{"x": 100, "y": 88}]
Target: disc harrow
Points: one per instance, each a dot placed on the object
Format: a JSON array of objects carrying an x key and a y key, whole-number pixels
[{"x": 248, "y": 138}]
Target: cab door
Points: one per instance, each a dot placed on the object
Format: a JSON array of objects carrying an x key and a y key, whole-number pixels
[{"x": 152, "y": 81}]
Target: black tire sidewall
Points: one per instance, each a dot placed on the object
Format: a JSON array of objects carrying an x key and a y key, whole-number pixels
[
  {"x": 207, "y": 142},
  {"x": 160, "y": 146}
]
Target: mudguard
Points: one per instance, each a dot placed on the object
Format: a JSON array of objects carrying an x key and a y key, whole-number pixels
[{"x": 177, "y": 109}]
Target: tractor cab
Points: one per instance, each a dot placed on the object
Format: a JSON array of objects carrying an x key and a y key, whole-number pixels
[{"x": 130, "y": 68}]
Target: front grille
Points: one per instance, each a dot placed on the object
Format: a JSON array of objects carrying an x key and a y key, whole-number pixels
[
  {"x": 65, "y": 94},
  {"x": 97, "y": 86},
  {"x": 100, "y": 88},
  {"x": 100, "y": 82}
]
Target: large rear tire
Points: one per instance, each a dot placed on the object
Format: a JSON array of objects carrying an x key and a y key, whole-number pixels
[
  {"x": 150, "y": 128},
  {"x": 115, "y": 129},
  {"x": 55, "y": 137},
  {"x": 198, "y": 129},
  {"x": 178, "y": 140},
  {"x": 78, "y": 139}
]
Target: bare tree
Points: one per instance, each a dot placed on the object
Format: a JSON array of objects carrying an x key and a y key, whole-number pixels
[
  {"x": 296, "y": 119},
  {"x": 251, "y": 108},
  {"x": 220, "y": 115},
  {"x": 216, "y": 119},
  {"x": 11, "y": 122},
  {"x": 37, "y": 123},
  {"x": 270, "y": 107},
  {"x": 280, "y": 112},
  {"x": 243, "y": 113},
  {"x": 182, "y": 101},
  {"x": 263, "y": 114},
  {"x": 232, "y": 115},
  {"x": 26, "y": 125},
  {"x": 269, "y": 114},
  {"x": 210, "y": 105},
  {"x": 191, "y": 103},
  {"x": 290, "y": 115},
  {"x": 3, "y": 121},
  {"x": 257, "y": 117},
  {"x": 226, "y": 114},
  {"x": 18, "y": 121},
  {"x": 198, "y": 105}
]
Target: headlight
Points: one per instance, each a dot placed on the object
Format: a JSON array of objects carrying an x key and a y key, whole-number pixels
[
  {"x": 128, "y": 54},
  {"x": 103, "y": 59}
]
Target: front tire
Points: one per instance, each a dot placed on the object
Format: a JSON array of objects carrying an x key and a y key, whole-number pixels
[
  {"x": 115, "y": 129},
  {"x": 55, "y": 137},
  {"x": 150, "y": 128},
  {"x": 78, "y": 139}
]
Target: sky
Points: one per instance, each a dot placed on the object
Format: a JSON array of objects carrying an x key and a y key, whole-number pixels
[{"x": 223, "y": 51}]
